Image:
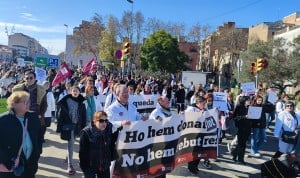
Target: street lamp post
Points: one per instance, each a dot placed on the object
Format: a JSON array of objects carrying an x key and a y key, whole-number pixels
[
  {"x": 65, "y": 56},
  {"x": 131, "y": 24}
]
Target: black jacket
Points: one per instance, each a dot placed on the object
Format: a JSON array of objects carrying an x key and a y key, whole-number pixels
[
  {"x": 63, "y": 117},
  {"x": 11, "y": 135},
  {"x": 180, "y": 95},
  {"x": 95, "y": 148},
  {"x": 239, "y": 115}
]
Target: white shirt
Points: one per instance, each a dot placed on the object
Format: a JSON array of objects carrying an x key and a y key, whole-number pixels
[{"x": 117, "y": 113}]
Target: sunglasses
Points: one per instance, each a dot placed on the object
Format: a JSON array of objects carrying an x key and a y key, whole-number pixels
[
  {"x": 103, "y": 120},
  {"x": 29, "y": 78}
]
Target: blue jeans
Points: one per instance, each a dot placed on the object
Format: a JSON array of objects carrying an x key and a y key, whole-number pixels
[
  {"x": 258, "y": 137},
  {"x": 269, "y": 118}
]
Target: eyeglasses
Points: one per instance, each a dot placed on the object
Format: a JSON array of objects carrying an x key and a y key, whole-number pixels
[
  {"x": 103, "y": 120},
  {"x": 28, "y": 78},
  {"x": 24, "y": 102},
  {"x": 289, "y": 105}
]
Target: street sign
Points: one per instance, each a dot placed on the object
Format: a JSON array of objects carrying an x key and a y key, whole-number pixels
[
  {"x": 41, "y": 62},
  {"x": 118, "y": 54},
  {"x": 53, "y": 63}
]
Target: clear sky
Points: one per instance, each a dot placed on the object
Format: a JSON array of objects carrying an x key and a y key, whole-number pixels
[{"x": 44, "y": 19}]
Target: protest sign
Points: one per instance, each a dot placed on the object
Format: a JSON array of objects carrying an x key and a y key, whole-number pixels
[
  {"x": 144, "y": 101},
  {"x": 151, "y": 148},
  {"x": 254, "y": 112},
  {"x": 20, "y": 62},
  {"x": 248, "y": 88},
  {"x": 220, "y": 101},
  {"x": 272, "y": 97},
  {"x": 41, "y": 74}
]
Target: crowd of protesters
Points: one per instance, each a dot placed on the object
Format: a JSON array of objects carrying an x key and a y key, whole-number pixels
[{"x": 73, "y": 104}]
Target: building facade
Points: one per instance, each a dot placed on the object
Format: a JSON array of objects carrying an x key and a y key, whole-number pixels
[
  {"x": 25, "y": 45},
  {"x": 191, "y": 49},
  {"x": 220, "y": 51}
]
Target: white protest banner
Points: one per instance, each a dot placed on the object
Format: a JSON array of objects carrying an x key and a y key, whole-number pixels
[
  {"x": 220, "y": 101},
  {"x": 41, "y": 74},
  {"x": 272, "y": 97},
  {"x": 144, "y": 101},
  {"x": 254, "y": 112},
  {"x": 151, "y": 148},
  {"x": 21, "y": 62},
  {"x": 248, "y": 88}
]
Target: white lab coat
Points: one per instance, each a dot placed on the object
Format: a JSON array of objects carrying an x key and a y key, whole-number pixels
[
  {"x": 287, "y": 122},
  {"x": 158, "y": 112},
  {"x": 50, "y": 104},
  {"x": 117, "y": 113},
  {"x": 111, "y": 98}
]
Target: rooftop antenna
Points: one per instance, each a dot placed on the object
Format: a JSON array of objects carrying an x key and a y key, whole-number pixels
[{"x": 11, "y": 30}]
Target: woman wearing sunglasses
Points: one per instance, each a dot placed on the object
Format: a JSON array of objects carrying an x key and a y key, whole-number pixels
[
  {"x": 20, "y": 138},
  {"x": 95, "y": 147},
  {"x": 287, "y": 120}
]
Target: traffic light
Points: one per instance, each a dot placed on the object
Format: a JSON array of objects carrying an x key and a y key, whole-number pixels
[
  {"x": 261, "y": 64},
  {"x": 126, "y": 51},
  {"x": 253, "y": 68}
]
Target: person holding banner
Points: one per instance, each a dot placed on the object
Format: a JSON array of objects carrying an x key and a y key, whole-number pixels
[
  {"x": 121, "y": 112},
  {"x": 161, "y": 111},
  {"x": 95, "y": 147},
  {"x": 198, "y": 106}
]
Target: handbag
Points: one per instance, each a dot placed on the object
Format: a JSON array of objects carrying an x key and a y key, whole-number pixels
[
  {"x": 68, "y": 127},
  {"x": 289, "y": 137},
  {"x": 66, "y": 131}
]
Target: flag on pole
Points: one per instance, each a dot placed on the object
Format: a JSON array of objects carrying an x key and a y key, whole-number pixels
[
  {"x": 63, "y": 73},
  {"x": 89, "y": 66},
  {"x": 130, "y": 1}
]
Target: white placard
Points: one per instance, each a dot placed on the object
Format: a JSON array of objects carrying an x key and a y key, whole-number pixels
[
  {"x": 248, "y": 88},
  {"x": 254, "y": 112},
  {"x": 21, "y": 62},
  {"x": 40, "y": 75},
  {"x": 220, "y": 101},
  {"x": 272, "y": 97}
]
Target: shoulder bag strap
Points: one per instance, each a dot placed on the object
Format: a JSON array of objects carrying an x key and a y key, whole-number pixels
[{"x": 23, "y": 139}]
